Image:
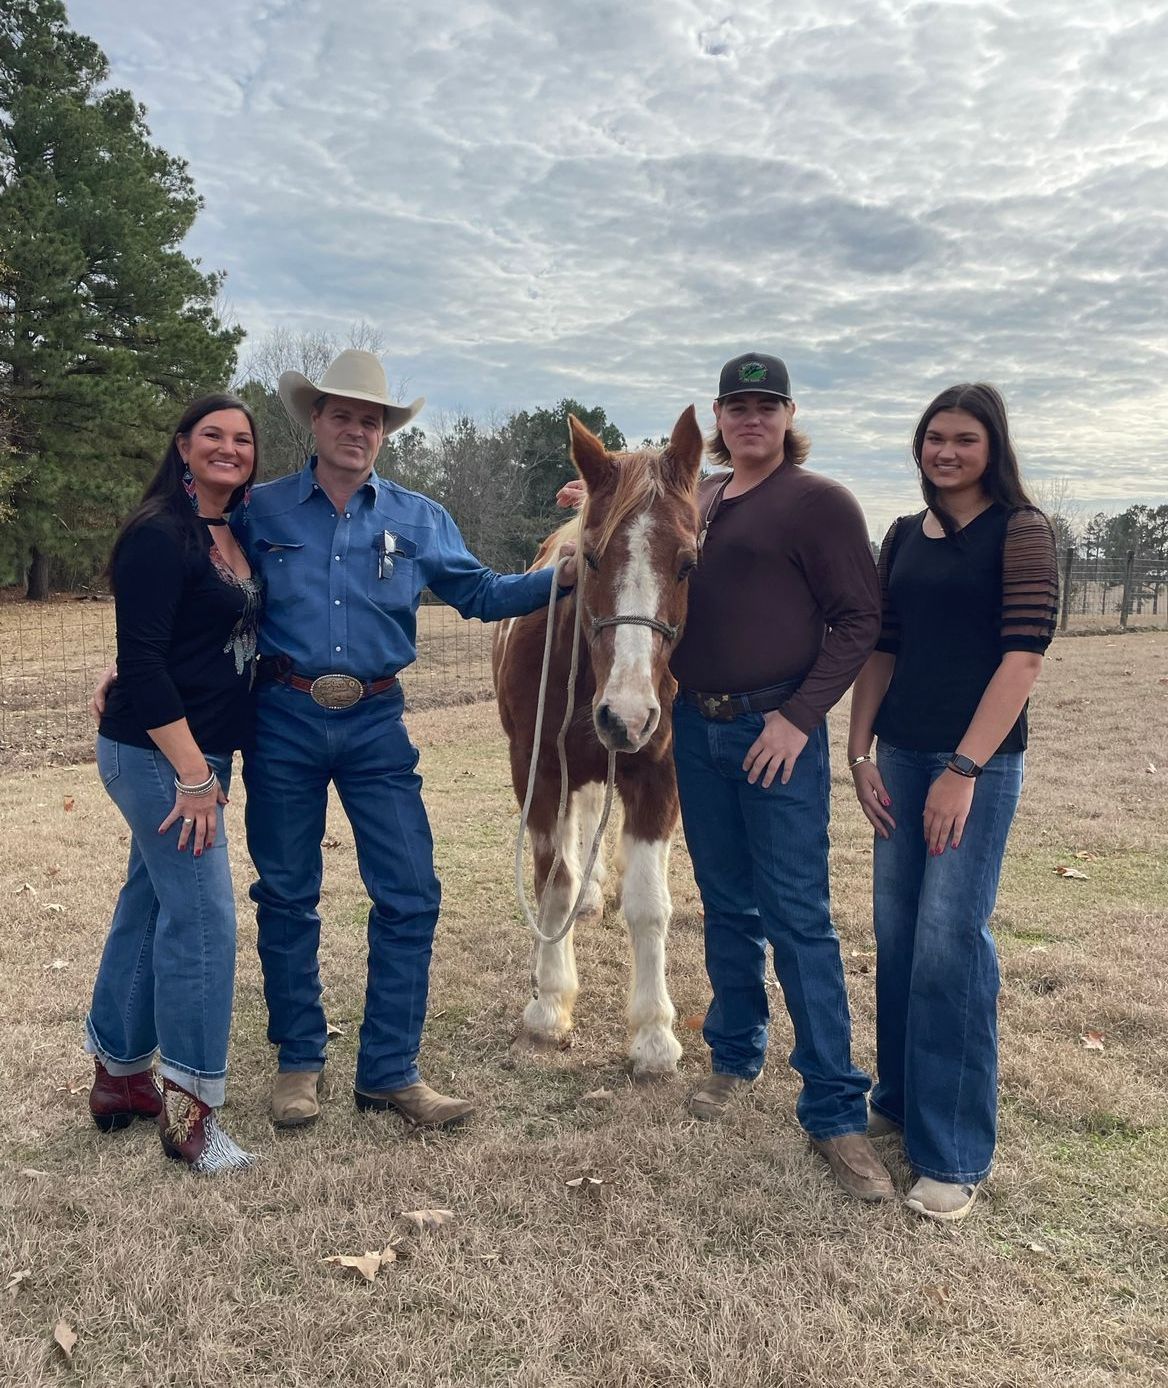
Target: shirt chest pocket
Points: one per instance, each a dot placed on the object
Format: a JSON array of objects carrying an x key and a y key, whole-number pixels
[
  {"x": 284, "y": 569},
  {"x": 393, "y": 571}
]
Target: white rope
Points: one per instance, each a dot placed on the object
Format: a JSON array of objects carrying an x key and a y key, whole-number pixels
[{"x": 536, "y": 925}]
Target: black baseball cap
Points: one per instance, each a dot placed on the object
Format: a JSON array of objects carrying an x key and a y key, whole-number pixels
[{"x": 754, "y": 373}]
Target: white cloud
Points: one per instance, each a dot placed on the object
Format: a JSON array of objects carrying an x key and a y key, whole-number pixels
[{"x": 532, "y": 200}]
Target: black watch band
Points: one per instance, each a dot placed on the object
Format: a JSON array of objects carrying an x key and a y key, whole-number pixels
[{"x": 964, "y": 766}]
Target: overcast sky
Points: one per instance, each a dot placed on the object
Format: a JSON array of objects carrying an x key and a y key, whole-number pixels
[{"x": 532, "y": 199}]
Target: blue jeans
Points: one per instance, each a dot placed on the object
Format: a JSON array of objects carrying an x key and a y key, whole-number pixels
[
  {"x": 937, "y": 968},
  {"x": 760, "y": 860},
  {"x": 167, "y": 974},
  {"x": 366, "y": 753}
]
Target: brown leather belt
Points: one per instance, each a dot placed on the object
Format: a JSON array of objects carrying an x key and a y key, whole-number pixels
[
  {"x": 722, "y": 708},
  {"x": 329, "y": 691}
]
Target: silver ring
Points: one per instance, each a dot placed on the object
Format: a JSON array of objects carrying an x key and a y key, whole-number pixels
[{"x": 188, "y": 821}]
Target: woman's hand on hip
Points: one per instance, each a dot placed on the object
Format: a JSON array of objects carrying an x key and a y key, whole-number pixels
[
  {"x": 199, "y": 816},
  {"x": 874, "y": 799},
  {"x": 946, "y": 810}
]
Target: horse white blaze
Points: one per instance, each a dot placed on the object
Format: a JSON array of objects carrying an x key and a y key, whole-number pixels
[
  {"x": 645, "y": 900},
  {"x": 629, "y": 693},
  {"x": 549, "y": 1014}
]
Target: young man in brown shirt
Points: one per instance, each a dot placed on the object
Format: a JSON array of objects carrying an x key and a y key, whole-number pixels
[{"x": 784, "y": 609}]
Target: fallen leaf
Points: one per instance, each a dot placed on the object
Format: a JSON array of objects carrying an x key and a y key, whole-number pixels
[
  {"x": 427, "y": 1219},
  {"x": 16, "y": 1279},
  {"x": 1086, "y": 857},
  {"x": 68, "y": 807},
  {"x": 32, "y": 1172},
  {"x": 588, "y": 1183},
  {"x": 1071, "y": 872},
  {"x": 1039, "y": 1248},
  {"x": 694, "y": 1022},
  {"x": 330, "y": 843},
  {"x": 938, "y": 1294},
  {"x": 54, "y": 908},
  {"x": 26, "y": 887},
  {"x": 1092, "y": 1040},
  {"x": 66, "y": 1337},
  {"x": 332, "y": 1030},
  {"x": 1150, "y": 768},
  {"x": 367, "y": 1264},
  {"x": 599, "y": 1097},
  {"x": 53, "y": 871},
  {"x": 57, "y": 965}
]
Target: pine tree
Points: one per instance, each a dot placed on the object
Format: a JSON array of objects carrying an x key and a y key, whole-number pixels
[{"x": 105, "y": 326}]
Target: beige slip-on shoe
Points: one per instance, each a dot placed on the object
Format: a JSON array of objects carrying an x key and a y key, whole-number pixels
[
  {"x": 712, "y": 1097},
  {"x": 948, "y": 1201},
  {"x": 294, "y": 1098},
  {"x": 855, "y": 1166},
  {"x": 418, "y": 1104}
]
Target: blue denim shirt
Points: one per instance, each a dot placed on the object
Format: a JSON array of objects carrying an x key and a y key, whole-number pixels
[{"x": 327, "y": 605}]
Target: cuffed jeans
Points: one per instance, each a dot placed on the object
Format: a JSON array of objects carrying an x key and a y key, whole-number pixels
[
  {"x": 366, "y": 753},
  {"x": 760, "y": 860},
  {"x": 937, "y": 967},
  {"x": 167, "y": 973}
]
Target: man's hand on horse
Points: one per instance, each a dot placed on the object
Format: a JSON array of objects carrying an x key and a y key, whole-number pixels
[
  {"x": 572, "y": 495},
  {"x": 566, "y": 564}
]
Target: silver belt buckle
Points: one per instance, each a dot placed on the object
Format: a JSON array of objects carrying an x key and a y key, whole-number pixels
[{"x": 336, "y": 691}]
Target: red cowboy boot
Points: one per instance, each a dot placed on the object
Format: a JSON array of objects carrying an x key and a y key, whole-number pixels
[
  {"x": 190, "y": 1133},
  {"x": 116, "y": 1100}
]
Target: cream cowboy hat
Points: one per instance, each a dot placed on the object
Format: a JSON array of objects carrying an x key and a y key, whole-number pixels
[{"x": 358, "y": 375}]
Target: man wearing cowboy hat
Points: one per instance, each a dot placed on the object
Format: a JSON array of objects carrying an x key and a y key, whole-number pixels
[{"x": 345, "y": 555}]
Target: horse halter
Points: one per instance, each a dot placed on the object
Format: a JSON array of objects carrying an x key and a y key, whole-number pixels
[{"x": 634, "y": 620}]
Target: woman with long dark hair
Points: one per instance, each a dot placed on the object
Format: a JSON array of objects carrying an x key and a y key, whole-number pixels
[
  {"x": 970, "y": 596},
  {"x": 187, "y": 609}
]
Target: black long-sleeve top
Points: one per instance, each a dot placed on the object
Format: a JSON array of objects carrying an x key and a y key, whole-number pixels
[
  {"x": 186, "y": 637},
  {"x": 952, "y": 608}
]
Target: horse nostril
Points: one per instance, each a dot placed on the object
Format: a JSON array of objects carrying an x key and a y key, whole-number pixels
[
  {"x": 611, "y": 723},
  {"x": 650, "y": 723}
]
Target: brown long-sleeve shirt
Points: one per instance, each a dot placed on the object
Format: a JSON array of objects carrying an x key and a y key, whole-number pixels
[{"x": 785, "y": 588}]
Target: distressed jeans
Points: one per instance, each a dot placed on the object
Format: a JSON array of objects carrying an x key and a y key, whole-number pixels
[
  {"x": 760, "y": 860},
  {"x": 167, "y": 973},
  {"x": 937, "y": 967}
]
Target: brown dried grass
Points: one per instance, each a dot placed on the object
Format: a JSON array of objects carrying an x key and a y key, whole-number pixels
[{"x": 715, "y": 1255}]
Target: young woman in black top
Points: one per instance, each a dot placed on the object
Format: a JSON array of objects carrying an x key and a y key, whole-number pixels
[
  {"x": 187, "y": 610},
  {"x": 970, "y": 596}
]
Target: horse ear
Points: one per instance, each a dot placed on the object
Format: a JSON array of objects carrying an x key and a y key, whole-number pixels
[
  {"x": 589, "y": 455},
  {"x": 683, "y": 457}
]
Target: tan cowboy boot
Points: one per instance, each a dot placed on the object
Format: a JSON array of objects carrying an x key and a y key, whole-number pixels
[
  {"x": 418, "y": 1104},
  {"x": 712, "y": 1098},
  {"x": 294, "y": 1098},
  {"x": 855, "y": 1165}
]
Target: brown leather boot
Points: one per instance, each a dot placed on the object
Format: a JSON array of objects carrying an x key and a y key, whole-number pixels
[
  {"x": 116, "y": 1100},
  {"x": 418, "y": 1104},
  {"x": 855, "y": 1165},
  {"x": 190, "y": 1133}
]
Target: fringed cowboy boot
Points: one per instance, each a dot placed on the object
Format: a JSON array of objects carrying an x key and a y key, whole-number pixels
[
  {"x": 116, "y": 1100},
  {"x": 191, "y": 1133}
]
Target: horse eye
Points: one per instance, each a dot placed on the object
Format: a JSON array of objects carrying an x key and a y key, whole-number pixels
[
  {"x": 591, "y": 560},
  {"x": 686, "y": 568}
]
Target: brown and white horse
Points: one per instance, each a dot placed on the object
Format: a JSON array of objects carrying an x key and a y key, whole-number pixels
[{"x": 637, "y": 541}]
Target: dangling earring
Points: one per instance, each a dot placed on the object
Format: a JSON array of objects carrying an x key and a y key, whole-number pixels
[{"x": 188, "y": 481}]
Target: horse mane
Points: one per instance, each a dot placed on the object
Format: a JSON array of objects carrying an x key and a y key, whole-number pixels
[
  {"x": 545, "y": 555},
  {"x": 638, "y": 484}
]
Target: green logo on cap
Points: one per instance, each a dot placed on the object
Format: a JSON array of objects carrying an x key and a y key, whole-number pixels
[{"x": 752, "y": 372}]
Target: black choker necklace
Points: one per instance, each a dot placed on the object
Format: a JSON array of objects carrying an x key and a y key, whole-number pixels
[{"x": 213, "y": 520}]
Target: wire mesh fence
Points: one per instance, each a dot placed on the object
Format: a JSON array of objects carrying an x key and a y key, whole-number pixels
[{"x": 52, "y": 653}]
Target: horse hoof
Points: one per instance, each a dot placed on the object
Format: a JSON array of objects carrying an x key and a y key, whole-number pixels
[{"x": 654, "y": 1056}]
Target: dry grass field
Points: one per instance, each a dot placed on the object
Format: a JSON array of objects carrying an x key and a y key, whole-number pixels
[{"x": 709, "y": 1255}]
